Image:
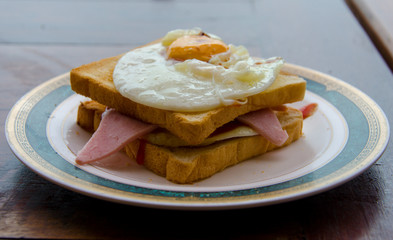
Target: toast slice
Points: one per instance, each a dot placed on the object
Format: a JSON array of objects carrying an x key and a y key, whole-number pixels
[
  {"x": 89, "y": 115},
  {"x": 94, "y": 80},
  {"x": 186, "y": 165}
]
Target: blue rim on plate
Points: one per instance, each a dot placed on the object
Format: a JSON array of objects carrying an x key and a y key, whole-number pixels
[{"x": 368, "y": 137}]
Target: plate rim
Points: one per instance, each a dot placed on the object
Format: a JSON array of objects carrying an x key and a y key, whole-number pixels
[{"x": 191, "y": 202}]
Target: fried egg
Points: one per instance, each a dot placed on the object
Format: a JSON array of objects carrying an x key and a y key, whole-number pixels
[{"x": 205, "y": 79}]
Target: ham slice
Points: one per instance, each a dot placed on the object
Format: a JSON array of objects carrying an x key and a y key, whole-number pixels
[
  {"x": 114, "y": 132},
  {"x": 266, "y": 123}
]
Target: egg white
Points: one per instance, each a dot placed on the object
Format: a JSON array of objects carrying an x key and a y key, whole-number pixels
[{"x": 146, "y": 76}]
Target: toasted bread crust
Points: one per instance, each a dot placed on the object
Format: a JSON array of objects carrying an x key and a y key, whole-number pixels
[
  {"x": 89, "y": 115},
  {"x": 190, "y": 164},
  {"x": 95, "y": 80}
]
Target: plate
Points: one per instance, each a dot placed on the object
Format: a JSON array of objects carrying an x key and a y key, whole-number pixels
[{"x": 341, "y": 140}]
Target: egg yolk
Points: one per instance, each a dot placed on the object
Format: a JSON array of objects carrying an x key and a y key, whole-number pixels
[{"x": 195, "y": 47}]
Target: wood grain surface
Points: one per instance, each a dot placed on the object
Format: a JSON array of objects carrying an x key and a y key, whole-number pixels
[
  {"x": 376, "y": 18},
  {"x": 41, "y": 39}
]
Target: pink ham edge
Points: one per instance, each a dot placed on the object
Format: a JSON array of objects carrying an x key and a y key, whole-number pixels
[
  {"x": 114, "y": 132},
  {"x": 266, "y": 123}
]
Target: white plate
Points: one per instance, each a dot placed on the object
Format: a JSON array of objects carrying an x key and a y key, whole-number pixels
[{"x": 345, "y": 137}]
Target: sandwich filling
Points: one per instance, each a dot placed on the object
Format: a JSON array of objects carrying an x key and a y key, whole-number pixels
[{"x": 115, "y": 131}]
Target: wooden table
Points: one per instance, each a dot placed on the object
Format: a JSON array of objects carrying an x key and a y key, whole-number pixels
[
  {"x": 42, "y": 39},
  {"x": 376, "y": 18}
]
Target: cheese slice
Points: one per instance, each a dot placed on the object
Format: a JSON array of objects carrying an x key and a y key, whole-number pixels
[{"x": 166, "y": 139}]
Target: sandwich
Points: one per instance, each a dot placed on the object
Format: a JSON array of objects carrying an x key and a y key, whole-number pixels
[{"x": 187, "y": 106}]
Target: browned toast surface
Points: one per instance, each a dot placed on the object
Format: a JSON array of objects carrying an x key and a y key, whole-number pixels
[{"x": 95, "y": 80}]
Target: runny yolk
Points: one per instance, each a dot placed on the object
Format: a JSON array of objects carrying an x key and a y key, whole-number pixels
[{"x": 195, "y": 47}]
